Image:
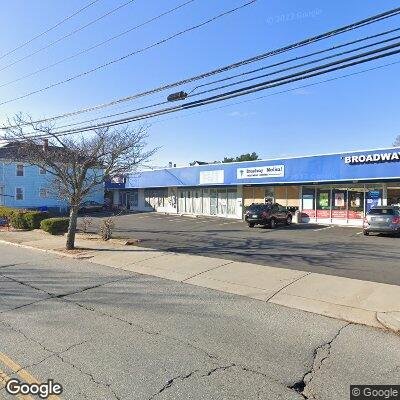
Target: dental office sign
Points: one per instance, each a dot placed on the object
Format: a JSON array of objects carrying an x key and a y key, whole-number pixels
[
  {"x": 270, "y": 171},
  {"x": 372, "y": 158}
]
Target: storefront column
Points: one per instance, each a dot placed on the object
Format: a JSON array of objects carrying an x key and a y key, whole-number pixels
[
  {"x": 384, "y": 195},
  {"x": 239, "y": 201}
]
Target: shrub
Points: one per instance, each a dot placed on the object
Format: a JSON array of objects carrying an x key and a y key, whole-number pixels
[
  {"x": 18, "y": 221},
  {"x": 106, "y": 228},
  {"x": 6, "y": 212},
  {"x": 55, "y": 226},
  {"x": 34, "y": 218}
]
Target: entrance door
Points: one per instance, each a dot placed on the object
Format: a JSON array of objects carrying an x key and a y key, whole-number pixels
[
  {"x": 213, "y": 202},
  {"x": 133, "y": 199},
  {"x": 222, "y": 203},
  {"x": 197, "y": 208},
  {"x": 231, "y": 209},
  {"x": 181, "y": 201}
]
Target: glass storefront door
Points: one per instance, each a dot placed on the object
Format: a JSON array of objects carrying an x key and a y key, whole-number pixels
[
  {"x": 339, "y": 203},
  {"x": 231, "y": 209},
  {"x": 197, "y": 201},
  {"x": 323, "y": 202},
  {"x": 222, "y": 202},
  {"x": 213, "y": 201}
]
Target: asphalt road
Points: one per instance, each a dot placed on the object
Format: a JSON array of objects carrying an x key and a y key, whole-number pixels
[
  {"x": 107, "y": 334},
  {"x": 340, "y": 251}
]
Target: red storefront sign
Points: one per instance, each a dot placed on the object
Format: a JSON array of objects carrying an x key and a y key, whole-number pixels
[
  {"x": 323, "y": 214},
  {"x": 308, "y": 214},
  {"x": 356, "y": 215},
  {"x": 340, "y": 214}
]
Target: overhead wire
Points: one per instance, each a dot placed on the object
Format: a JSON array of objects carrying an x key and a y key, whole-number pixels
[
  {"x": 48, "y": 30},
  {"x": 88, "y": 49},
  {"x": 155, "y": 44},
  {"x": 238, "y": 82},
  {"x": 67, "y": 35},
  {"x": 316, "y": 71},
  {"x": 313, "y": 39}
]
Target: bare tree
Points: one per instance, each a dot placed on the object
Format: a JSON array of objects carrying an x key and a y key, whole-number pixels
[
  {"x": 80, "y": 164},
  {"x": 396, "y": 142}
]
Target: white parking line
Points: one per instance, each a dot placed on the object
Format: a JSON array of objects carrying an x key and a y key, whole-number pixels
[
  {"x": 359, "y": 233},
  {"x": 322, "y": 229}
]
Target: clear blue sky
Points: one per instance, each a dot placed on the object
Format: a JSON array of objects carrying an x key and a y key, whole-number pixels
[{"x": 353, "y": 113}]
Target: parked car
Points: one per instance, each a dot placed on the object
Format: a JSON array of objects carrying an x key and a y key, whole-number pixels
[
  {"x": 267, "y": 215},
  {"x": 382, "y": 220},
  {"x": 91, "y": 206}
]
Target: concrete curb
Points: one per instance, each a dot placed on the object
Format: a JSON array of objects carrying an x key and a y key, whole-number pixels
[
  {"x": 391, "y": 320},
  {"x": 59, "y": 253}
]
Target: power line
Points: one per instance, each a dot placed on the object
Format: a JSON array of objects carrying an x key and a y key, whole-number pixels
[
  {"x": 281, "y": 92},
  {"x": 313, "y": 39},
  {"x": 256, "y": 98},
  {"x": 297, "y": 58},
  {"x": 98, "y": 44},
  {"x": 167, "y": 39},
  {"x": 308, "y": 63},
  {"x": 68, "y": 35},
  {"x": 239, "y": 82},
  {"x": 49, "y": 30},
  {"x": 323, "y": 69}
]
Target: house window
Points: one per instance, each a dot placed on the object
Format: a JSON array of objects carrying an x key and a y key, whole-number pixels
[
  {"x": 20, "y": 169},
  {"x": 43, "y": 193},
  {"x": 42, "y": 171},
  {"x": 19, "y": 194}
]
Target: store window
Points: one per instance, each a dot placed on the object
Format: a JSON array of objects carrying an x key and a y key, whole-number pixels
[
  {"x": 308, "y": 202},
  {"x": 231, "y": 209},
  {"x": 269, "y": 196},
  {"x": 339, "y": 203},
  {"x": 356, "y": 203},
  {"x": 373, "y": 197},
  {"x": 133, "y": 199},
  {"x": 155, "y": 197},
  {"x": 393, "y": 194},
  {"x": 323, "y": 202}
]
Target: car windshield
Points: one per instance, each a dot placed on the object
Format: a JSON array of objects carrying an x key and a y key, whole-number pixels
[
  {"x": 382, "y": 211},
  {"x": 257, "y": 207}
]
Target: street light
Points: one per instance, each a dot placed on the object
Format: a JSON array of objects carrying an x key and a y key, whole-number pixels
[{"x": 177, "y": 96}]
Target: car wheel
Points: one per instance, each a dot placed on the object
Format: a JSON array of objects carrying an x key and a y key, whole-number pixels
[
  {"x": 288, "y": 220},
  {"x": 272, "y": 223},
  {"x": 251, "y": 224},
  {"x": 366, "y": 233}
]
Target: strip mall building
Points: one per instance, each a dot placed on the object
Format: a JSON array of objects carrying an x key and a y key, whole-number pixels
[{"x": 330, "y": 188}]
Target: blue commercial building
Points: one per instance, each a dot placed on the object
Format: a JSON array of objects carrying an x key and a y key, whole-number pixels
[
  {"x": 29, "y": 187},
  {"x": 330, "y": 188}
]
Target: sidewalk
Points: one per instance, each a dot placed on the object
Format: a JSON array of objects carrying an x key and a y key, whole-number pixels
[{"x": 363, "y": 302}]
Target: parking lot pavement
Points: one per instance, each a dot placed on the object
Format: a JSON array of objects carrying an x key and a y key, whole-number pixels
[{"x": 339, "y": 251}]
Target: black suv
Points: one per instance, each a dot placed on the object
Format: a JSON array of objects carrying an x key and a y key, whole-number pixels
[{"x": 267, "y": 215}]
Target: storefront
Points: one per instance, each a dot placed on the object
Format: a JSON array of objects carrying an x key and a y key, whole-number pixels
[{"x": 333, "y": 188}]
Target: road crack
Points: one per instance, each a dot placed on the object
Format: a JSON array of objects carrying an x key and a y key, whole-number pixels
[{"x": 321, "y": 353}]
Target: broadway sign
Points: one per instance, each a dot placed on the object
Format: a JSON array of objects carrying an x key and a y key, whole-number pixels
[
  {"x": 372, "y": 158},
  {"x": 268, "y": 171}
]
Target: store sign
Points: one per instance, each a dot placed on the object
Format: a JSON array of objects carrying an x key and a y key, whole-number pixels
[
  {"x": 372, "y": 158},
  {"x": 271, "y": 171},
  {"x": 211, "y": 177}
]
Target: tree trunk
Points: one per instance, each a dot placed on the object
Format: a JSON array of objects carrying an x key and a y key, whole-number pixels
[{"x": 73, "y": 216}]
